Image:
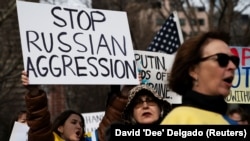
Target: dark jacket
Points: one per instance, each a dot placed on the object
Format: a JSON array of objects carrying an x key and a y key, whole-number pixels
[
  {"x": 113, "y": 111},
  {"x": 38, "y": 116}
]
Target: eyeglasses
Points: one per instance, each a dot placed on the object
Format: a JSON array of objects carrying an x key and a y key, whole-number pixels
[
  {"x": 139, "y": 102},
  {"x": 223, "y": 59}
]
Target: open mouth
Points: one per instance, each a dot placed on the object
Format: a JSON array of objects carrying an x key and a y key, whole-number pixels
[
  {"x": 78, "y": 133},
  {"x": 146, "y": 114},
  {"x": 228, "y": 80}
]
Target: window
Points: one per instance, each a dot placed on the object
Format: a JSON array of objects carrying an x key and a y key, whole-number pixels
[
  {"x": 182, "y": 22},
  {"x": 200, "y": 21},
  {"x": 160, "y": 21}
]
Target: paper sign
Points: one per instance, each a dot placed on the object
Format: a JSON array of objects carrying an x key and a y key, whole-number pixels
[
  {"x": 19, "y": 132},
  {"x": 92, "y": 120},
  {"x": 72, "y": 45},
  {"x": 240, "y": 91},
  {"x": 155, "y": 68}
]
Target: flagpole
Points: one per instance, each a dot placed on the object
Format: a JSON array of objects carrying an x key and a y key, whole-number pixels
[{"x": 176, "y": 19}]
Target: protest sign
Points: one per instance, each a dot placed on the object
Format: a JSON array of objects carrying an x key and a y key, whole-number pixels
[
  {"x": 92, "y": 120},
  {"x": 155, "y": 68},
  {"x": 67, "y": 45},
  {"x": 240, "y": 92},
  {"x": 19, "y": 132}
]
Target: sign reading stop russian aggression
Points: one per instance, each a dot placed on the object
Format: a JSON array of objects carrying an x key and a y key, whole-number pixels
[{"x": 67, "y": 45}]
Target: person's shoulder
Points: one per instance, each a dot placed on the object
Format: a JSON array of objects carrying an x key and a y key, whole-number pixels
[
  {"x": 184, "y": 110},
  {"x": 56, "y": 137},
  {"x": 108, "y": 129},
  {"x": 180, "y": 115}
]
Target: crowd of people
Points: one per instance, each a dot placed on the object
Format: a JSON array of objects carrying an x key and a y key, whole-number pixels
[{"x": 202, "y": 73}]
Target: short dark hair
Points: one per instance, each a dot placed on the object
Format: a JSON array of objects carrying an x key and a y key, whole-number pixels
[{"x": 187, "y": 56}]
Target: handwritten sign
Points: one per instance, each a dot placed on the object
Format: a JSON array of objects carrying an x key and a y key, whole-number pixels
[
  {"x": 92, "y": 120},
  {"x": 67, "y": 45},
  {"x": 155, "y": 68},
  {"x": 240, "y": 91}
]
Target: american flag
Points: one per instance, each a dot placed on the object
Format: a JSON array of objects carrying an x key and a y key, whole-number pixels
[{"x": 169, "y": 37}]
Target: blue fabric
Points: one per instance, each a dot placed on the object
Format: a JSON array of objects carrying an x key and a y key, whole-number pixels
[
  {"x": 231, "y": 122},
  {"x": 89, "y": 137}
]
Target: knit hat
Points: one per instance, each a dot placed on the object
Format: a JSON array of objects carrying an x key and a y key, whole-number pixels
[{"x": 133, "y": 93}]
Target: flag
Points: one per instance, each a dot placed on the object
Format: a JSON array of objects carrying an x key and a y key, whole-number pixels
[{"x": 169, "y": 37}]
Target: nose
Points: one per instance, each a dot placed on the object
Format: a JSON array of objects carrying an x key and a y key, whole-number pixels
[
  {"x": 144, "y": 103},
  {"x": 232, "y": 65},
  {"x": 79, "y": 126}
]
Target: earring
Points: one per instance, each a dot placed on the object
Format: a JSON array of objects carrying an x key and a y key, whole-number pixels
[{"x": 196, "y": 82}]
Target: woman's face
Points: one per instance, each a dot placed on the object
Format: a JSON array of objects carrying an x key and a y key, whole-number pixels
[
  {"x": 72, "y": 129},
  {"x": 146, "y": 110},
  {"x": 213, "y": 78}
]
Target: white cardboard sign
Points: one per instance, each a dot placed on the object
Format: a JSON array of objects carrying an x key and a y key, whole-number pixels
[
  {"x": 155, "y": 68},
  {"x": 72, "y": 45},
  {"x": 92, "y": 120},
  {"x": 19, "y": 132}
]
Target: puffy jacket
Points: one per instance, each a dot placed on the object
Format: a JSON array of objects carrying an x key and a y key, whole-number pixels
[
  {"x": 38, "y": 117},
  {"x": 113, "y": 110}
]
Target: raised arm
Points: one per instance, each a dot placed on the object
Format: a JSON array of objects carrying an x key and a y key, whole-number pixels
[
  {"x": 38, "y": 116},
  {"x": 116, "y": 103}
]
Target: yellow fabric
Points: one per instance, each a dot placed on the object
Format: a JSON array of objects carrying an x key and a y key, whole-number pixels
[
  {"x": 191, "y": 115},
  {"x": 57, "y": 138},
  {"x": 88, "y": 134}
]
